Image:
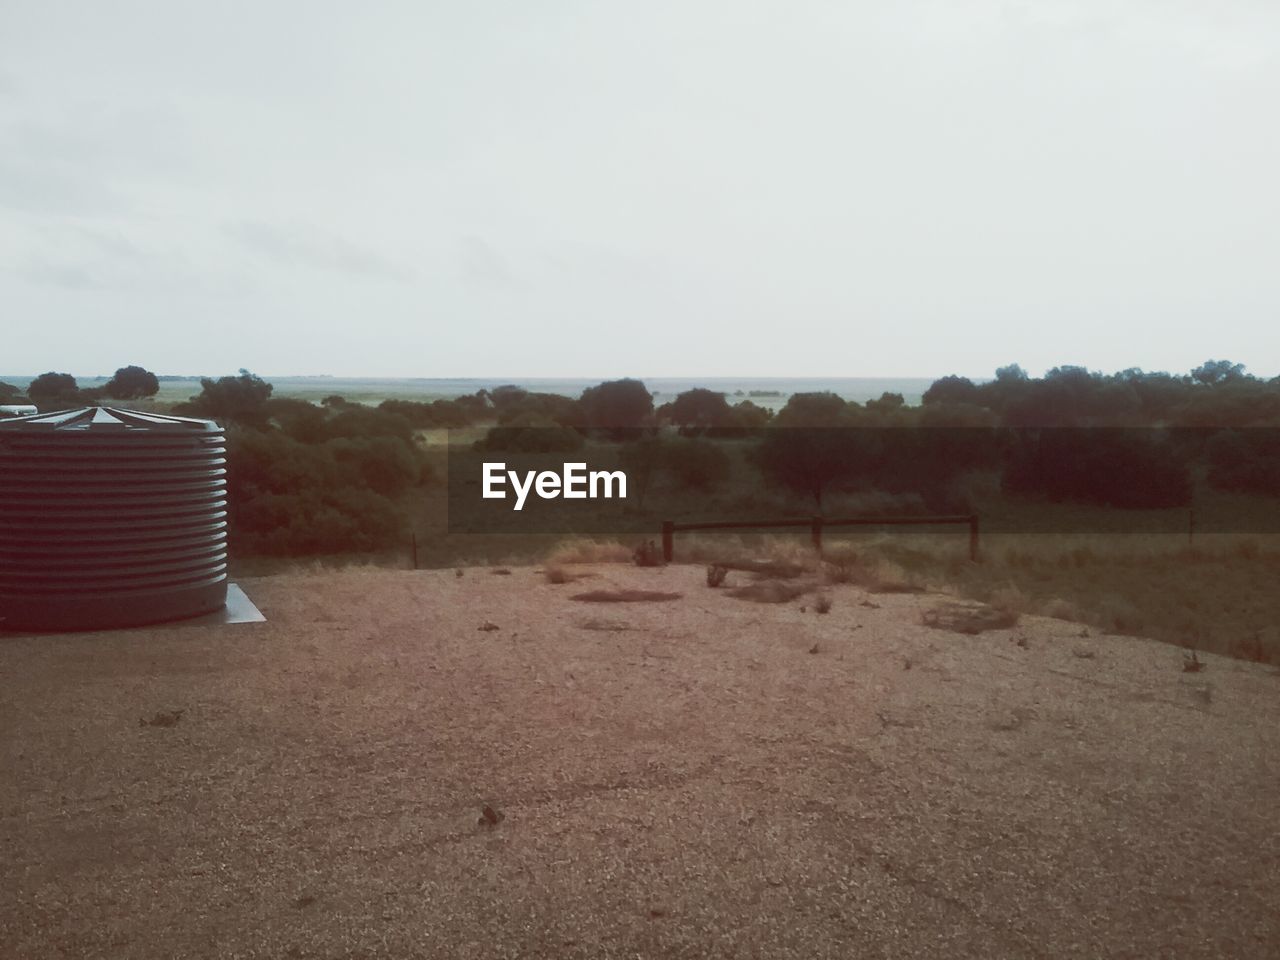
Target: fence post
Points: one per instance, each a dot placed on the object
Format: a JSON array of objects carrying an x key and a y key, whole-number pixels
[
  {"x": 414, "y": 542},
  {"x": 973, "y": 537},
  {"x": 817, "y": 534},
  {"x": 668, "y": 539}
]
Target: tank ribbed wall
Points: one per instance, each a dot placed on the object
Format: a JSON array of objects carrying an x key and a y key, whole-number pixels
[{"x": 110, "y": 518}]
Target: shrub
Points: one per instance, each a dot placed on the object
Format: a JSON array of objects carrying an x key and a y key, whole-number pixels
[
  {"x": 531, "y": 433},
  {"x": 696, "y": 464},
  {"x": 434, "y": 415},
  {"x": 647, "y": 554},
  {"x": 1245, "y": 461},
  {"x": 1130, "y": 469},
  {"x": 292, "y": 498}
]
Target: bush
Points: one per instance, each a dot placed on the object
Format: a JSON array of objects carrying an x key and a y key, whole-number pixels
[
  {"x": 385, "y": 465},
  {"x": 358, "y": 423},
  {"x": 314, "y": 522},
  {"x": 515, "y": 405},
  {"x": 1245, "y": 461},
  {"x": 434, "y": 415},
  {"x": 293, "y": 498},
  {"x": 531, "y": 433},
  {"x": 303, "y": 421},
  {"x": 696, "y": 464},
  {"x": 1130, "y": 469}
]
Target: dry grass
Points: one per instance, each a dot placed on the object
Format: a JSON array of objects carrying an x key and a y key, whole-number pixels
[
  {"x": 1217, "y": 595},
  {"x": 698, "y": 784},
  {"x": 580, "y": 550}
]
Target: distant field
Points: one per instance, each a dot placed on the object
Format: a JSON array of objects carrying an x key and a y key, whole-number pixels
[
  {"x": 766, "y": 392},
  {"x": 314, "y": 389}
]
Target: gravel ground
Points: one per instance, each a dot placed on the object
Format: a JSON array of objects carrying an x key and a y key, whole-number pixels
[{"x": 702, "y": 777}]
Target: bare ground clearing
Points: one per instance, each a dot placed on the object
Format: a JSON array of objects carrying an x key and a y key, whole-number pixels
[{"x": 701, "y": 778}]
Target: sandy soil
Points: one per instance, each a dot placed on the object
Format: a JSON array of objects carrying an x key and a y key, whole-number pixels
[{"x": 680, "y": 779}]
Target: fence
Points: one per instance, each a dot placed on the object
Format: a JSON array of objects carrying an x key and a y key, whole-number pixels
[{"x": 816, "y": 525}]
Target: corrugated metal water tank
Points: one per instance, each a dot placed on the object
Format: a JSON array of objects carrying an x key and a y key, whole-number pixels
[{"x": 110, "y": 518}]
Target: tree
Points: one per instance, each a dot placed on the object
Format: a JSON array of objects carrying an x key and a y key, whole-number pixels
[
  {"x": 888, "y": 405},
  {"x": 695, "y": 463},
  {"x": 951, "y": 389},
  {"x": 813, "y": 410},
  {"x": 698, "y": 410},
  {"x": 49, "y": 388},
  {"x": 750, "y": 416},
  {"x": 617, "y": 405},
  {"x": 9, "y": 393},
  {"x": 240, "y": 399},
  {"x": 1213, "y": 372},
  {"x": 641, "y": 460},
  {"x": 806, "y": 460},
  {"x": 132, "y": 383},
  {"x": 530, "y": 433}
]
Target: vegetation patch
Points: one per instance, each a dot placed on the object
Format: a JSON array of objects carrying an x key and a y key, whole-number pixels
[
  {"x": 162, "y": 718},
  {"x": 770, "y": 591},
  {"x": 603, "y": 625},
  {"x": 625, "y": 596},
  {"x": 968, "y": 618}
]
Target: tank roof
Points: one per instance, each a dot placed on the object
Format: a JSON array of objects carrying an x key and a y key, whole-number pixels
[{"x": 106, "y": 419}]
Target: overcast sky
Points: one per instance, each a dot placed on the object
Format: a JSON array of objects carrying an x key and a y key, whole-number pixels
[{"x": 689, "y": 188}]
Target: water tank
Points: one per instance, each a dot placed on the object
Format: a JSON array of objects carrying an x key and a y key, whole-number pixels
[{"x": 110, "y": 518}]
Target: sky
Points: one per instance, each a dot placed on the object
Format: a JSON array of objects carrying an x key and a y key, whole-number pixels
[{"x": 599, "y": 189}]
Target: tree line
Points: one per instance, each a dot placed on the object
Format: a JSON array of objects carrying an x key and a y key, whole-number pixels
[
  {"x": 56, "y": 391},
  {"x": 333, "y": 477}
]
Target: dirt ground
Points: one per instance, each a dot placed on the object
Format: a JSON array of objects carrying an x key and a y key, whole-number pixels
[{"x": 703, "y": 777}]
